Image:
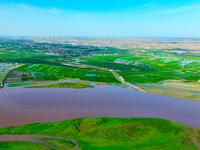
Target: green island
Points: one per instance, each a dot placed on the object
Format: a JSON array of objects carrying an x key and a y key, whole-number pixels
[
  {"x": 108, "y": 134},
  {"x": 62, "y": 85}
]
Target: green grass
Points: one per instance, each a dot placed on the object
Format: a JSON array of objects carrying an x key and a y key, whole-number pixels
[
  {"x": 22, "y": 146},
  {"x": 104, "y": 58},
  {"x": 59, "y": 144},
  {"x": 63, "y": 85},
  {"x": 118, "y": 66},
  {"x": 20, "y": 84},
  {"x": 114, "y": 133},
  {"x": 2, "y": 75}
]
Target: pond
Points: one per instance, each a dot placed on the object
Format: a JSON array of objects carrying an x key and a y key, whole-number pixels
[{"x": 4, "y": 65}]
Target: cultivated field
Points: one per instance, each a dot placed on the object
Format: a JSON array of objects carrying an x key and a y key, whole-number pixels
[{"x": 33, "y": 72}]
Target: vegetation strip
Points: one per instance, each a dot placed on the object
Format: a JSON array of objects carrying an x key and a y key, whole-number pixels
[
  {"x": 20, "y": 84},
  {"x": 62, "y": 85}
]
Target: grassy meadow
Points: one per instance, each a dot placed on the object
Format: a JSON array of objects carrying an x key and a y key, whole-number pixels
[{"x": 115, "y": 133}]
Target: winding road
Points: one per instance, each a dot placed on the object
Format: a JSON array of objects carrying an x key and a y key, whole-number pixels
[{"x": 34, "y": 139}]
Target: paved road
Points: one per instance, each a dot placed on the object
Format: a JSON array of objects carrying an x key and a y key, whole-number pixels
[{"x": 121, "y": 79}]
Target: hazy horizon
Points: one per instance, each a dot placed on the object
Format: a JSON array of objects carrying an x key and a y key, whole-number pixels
[{"x": 106, "y": 37}]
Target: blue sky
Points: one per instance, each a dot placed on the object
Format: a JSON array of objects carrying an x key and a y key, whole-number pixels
[{"x": 113, "y": 18}]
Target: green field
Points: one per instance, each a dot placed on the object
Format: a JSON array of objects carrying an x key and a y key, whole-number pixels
[
  {"x": 176, "y": 72},
  {"x": 34, "y": 72},
  {"x": 6, "y": 69},
  {"x": 150, "y": 68},
  {"x": 165, "y": 68},
  {"x": 116, "y": 133}
]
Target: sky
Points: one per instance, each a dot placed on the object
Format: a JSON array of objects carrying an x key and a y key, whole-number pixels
[{"x": 100, "y": 18}]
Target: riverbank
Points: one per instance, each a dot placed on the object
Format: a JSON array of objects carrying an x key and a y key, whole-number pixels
[{"x": 175, "y": 94}]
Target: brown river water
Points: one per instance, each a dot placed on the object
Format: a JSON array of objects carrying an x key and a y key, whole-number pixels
[{"x": 19, "y": 105}]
